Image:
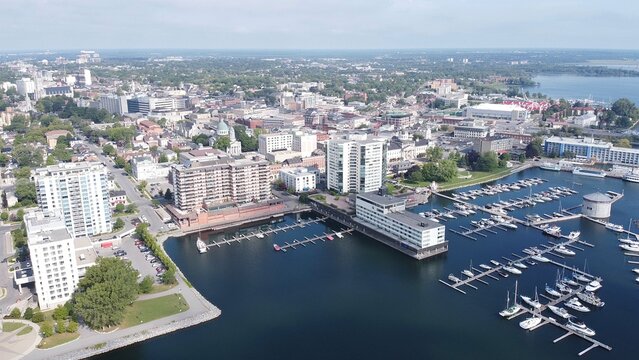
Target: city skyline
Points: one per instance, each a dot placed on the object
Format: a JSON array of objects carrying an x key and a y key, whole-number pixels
[{"x": 290, "y": 24}]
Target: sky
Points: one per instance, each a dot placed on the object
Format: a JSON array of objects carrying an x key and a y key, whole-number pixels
[{"x": 317, "y": 24}]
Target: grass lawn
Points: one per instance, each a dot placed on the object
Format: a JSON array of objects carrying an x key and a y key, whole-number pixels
[
  {"x": 11, "y": 326},
  {"x": 477, "y": 178},
  {"x": 148, "y": 310},
  {"x": 157, "y": 288},
  {"x": 25, "y": 331},
  {"x": 57, "y": 339}
]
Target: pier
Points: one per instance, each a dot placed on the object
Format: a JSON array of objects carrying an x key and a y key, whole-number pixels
[
  {"x": 259, "y": 234},
  {"x": 312, "y": 240}
]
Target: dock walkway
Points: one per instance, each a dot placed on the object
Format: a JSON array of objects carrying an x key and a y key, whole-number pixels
[{"x": 274, "y": 230}]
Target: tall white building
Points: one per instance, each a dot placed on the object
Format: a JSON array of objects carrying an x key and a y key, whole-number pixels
[
  {"x": 498, "y": 112},
  {"x": 25, "y": 86},
  {"x": 304, "y": 143},
  {"x": 53, "y": 257},
  {"x": 355, "y": 166},
  {"x": 87, "y": 77},
  {"x": 80, "y": 191},
  {"x": 268, "y": 143}
]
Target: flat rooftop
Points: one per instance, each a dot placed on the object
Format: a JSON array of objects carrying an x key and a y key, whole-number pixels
[
  {"x": 498, "y": 107},
  {"x": 414, "y": 221},
  {"x": 380, "y": 199}
]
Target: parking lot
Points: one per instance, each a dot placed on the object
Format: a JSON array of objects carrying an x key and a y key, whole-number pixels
[{"x": 137, "y": 258}]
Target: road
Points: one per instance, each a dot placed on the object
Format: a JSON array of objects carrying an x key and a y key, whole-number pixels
[{"x": 126, "y": 183}]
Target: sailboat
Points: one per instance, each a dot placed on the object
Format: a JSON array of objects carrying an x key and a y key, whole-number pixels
[
  {"x": 469, "y": 272},
  {"x": 201, "y": 246},
  {"x": 552, "y": 291},
  {"x": 580, "y": 277},
  {"x": 534, "y": 303},
  {"x": 511, "y": 310},
  {"x": 530, "y": 323}
]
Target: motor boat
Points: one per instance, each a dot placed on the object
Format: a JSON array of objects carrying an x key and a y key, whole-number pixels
[
  {"x": 531, "y": 263},
  {"x": 580, "y": 277},
  {"x": 578, "y": 326},
  {"x": 574, "y": 234},
  {"x": 593, "y": 286},
  {"x": 552, "y": 291},
  {"x": 563, "y": 288},
  {"x": 530, "y": 323},
  {"x": 453, "y": 278},
  {"x": 630, "y": 247},
  {"x": 636, "y": 271},
  {"x": 590, "y": 298},
  {"x": 448, "y": 215},
  {"x": 512, "y": 269},
  {"x": 201, "y": 246},
  {"x": 520, "y": 265},
  {"x": 574, "y": 304},
  {"x": 496, "y": 263},
  {"x": 502, "y": 274},
  {"x": 468, "y": 273},
  {"x": 553, "y": 231},
  {"x": 276, "y": 247},
  {"x": 564, "y": 250},
  {"x": 559, "y": 311},
  {"x": 485, "y": 267},
  {"x": 614, "y": 227},
  {"x": 540, "y": 258}
]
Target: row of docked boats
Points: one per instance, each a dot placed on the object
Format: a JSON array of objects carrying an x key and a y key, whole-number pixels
[
  {"x": 493, "y": 221},
  {"x": 464, "y": 210},
  {"x": 498, "y": 188},
  {"x": 435, "y": 215},
  {"x": 553, "y": 193}
]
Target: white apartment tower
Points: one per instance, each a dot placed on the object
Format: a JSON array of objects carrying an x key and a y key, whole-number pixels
[
  {"x": 268, "y": 143},
  {"x": 355, "y": 166},
  {"x": 80, "y": 191},
  {"x": 52, "y": 253},
  {"x": 304, "y": 143}
]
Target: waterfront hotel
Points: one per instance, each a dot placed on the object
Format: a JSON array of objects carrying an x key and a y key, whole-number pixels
[
  {"x": 589, "y": 148},
  {"x": 388, "y": 215}
]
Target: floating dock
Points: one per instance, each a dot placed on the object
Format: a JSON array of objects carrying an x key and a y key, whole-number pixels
[
  {"x": 257, "y": 234},
  {"x": 312, "y": 240}
]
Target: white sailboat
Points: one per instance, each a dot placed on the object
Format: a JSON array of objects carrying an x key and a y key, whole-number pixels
[
  {"x": 530, "y": 323},
  {"x": 511, "y": 310},
  {"x": 534, "y": 303},
  {"x": 201, "y": 246}
]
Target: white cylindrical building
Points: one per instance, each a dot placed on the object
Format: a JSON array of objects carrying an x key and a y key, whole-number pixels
[{"x": 597, "y": 205}]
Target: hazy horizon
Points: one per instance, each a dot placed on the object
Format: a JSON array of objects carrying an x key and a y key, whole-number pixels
[{"x": 329, "y": 25}]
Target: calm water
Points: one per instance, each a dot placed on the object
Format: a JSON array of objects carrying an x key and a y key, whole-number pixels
[
  {"x": 601, "y": 89},
  {"x": 354, "y": 298}
]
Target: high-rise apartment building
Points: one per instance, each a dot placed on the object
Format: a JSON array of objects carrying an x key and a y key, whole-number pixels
[
  {"x": 114, "y": 104},
  {"x": 268, "y": 143},
  {"x": 80, "y": 191},
  {"x": 53, "y": 257},
  {"x": 304, "y": 143},
  {"x": 219, "y": 181},
  {"x": 355, "y": 166}
]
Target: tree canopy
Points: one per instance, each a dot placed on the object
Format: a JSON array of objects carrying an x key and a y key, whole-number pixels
[{"x": 103, "y": 295}]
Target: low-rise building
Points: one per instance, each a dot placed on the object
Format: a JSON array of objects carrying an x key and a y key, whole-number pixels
[
  {"x": 589, "y": 148},
  {"x": 507, "y": 112},
  {"x": 388, "y": 215},
  {"x": 117, "y": 197},
  {"x": 473, "y": 129},
  {"x": 299, "y": 180},
  {"x": 497, "y": 144},
  {"x": 144, "y": 168}
]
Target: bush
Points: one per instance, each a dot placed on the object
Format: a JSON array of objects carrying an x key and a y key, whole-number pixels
[
  {"x": 38, "y": 317},
  {"x": 146, "y": 285},
  {"x": 15, "y": 314},
  {"x": 61, "y": 313},
  {"x": 169, "y": 276},
  {"x": 72, "y": 327},
  {"x": 60, "y": 326},
  {"x": 47, "y": 329},
  {"x": 28, "y": 314}
]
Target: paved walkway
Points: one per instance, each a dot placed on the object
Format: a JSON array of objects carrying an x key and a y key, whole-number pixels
[{"x": 13, "y": 346}]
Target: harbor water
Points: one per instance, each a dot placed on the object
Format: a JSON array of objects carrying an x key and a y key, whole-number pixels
[{"x": 355, "y": 298}]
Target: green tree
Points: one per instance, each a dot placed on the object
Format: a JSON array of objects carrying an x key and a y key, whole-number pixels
[
  {"x": 118, "y": 224},
  {"x": 624, "y": 143},
  {"x": 27, "y": 156},
  {"x": 534, "y": 149},
  {"x": 146, "y": 285},
  {"x": 120, "y": 162},
  {"x": 60, "y": 326},
  {"x": 20, "y": 214},
  {"x": 4, "y": 216},
  {"x": 119, "y": 208},
  {"x": 4, "y": 160},
  {"x": 72, "y": 327},
  {"x": 131, "y": 208},
  {"x": 201, "y": 139},
  {"x": 15, "y": 313},
  {"x": 222, "y": 143},
  {"x": 47, "y": 329},
  {"x": 103, "y": 295},
  {"x": 488, "y": 162},
  {"x": 142, "y": 185},
  {"x": 38, "y": 317},
  {"x": 28, "y": 313},
  {"x": 109, "y": 150},
  {"x": 60, "y": 313},
  {"x": 169, "y": 276},
  {"x": 168, "y": 195},
  {"x": 624, "y": 107},
  {"x": 163, "y": 158},
  {"x": 434, "y": 153}
]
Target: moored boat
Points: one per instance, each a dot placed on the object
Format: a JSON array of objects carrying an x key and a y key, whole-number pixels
[
  {"x": 590, "y": 298},
  {"x": 550, "y": 166},
  {"x": 614, "y": 227},
  {"x": 485, "y": 267},
  {"x": 540, "y": 258},
  {"x": 276, "y": 247},
  {"x": 593, "y": 286},
  {"x": 578, "y": 326},
  {"x": 532, "y": 302},
  {"x": 559, "y": 311},
  {"x": 453, "y": 278},
  {"x": 589, "y": 172},
  {"x": 512, "y": 269},
  {"x": 530, "y": 323},
  {"x": 201, "y": 246},
  {"x": 552, "y": 291},
  {"x": 631, "y": 177},
  {"x": 574, "y": 234},
  {"x": 574, "y": 304},
  {"x": 520, "y": 265},
  {"x": 564, "y": 250},
  {"x": 511, "y": 310}
]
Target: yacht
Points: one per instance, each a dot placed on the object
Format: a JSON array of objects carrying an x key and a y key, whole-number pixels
[
  {"x": 574, "y": 234},
  {"x": 201, "y": 246},
  {"x": 485, "y": 267},
  {"x": 553, "y": 231},
  {"x": 552, "y": 291},
  {"x": 449, "y": 215},
  {"x": 580, "y": 277},
  {"x": 468, "y": 273},
  {"x": 563, "y": 288},
  {"x": 593, "y": 286},
  {"x": 590, "y": 298},
  {"x": 508, "y": 225},
  {"x": 496, "y": 263},
  {"x": 339, "y": 235},
  {"x": 631, "y": 177},
  {"x": 559, "y": 311},
  {"x": 614, "y": 227},
  {"x": 530, "y": 323},
  {"x": 564, "y": 250},
  {"x": 589, "y": 172},
  {"x": 276, "y": 247},
  {"x": 636, "y": 271},
  {"x": 532, "y": 302},
  {"x": 578, "y": 326},
  {"x": 520, "y": 265},
  {"x": 511, "y": 310},
  {"x": 453, "y": 278},
  {"x": 574, "y": 304},
  {"x": 540, "y": 258},
  {"x": 512, "y": 269},
  {"x": 550, "y": 166},
  {"x": 630, "y": 247},
  {"x": 259, "y": 236}
]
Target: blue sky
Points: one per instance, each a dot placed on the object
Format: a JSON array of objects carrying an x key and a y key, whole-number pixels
[{"x": 313, "y": 24}]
